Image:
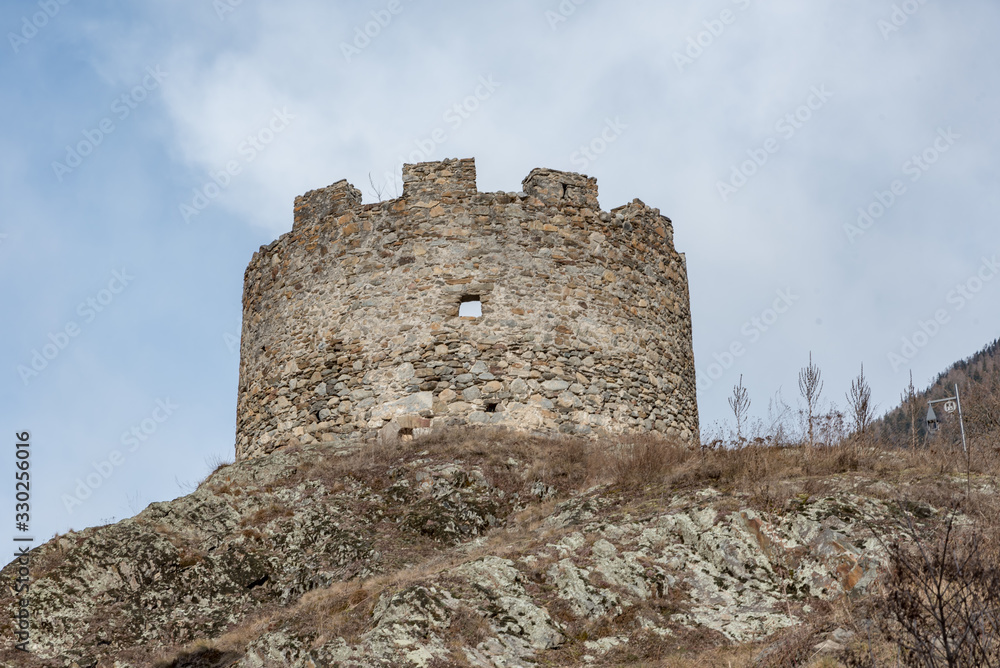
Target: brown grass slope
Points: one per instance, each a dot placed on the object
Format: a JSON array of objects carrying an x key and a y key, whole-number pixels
[{"x": 315, "y": 547}]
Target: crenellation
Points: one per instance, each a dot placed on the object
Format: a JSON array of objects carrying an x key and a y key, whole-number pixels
[
  {"x": 561, "y": 189},
  {"x": 316, "y": 206},
  {"x": 448, "y": 180},
  {"x": 352, "y": 328}
]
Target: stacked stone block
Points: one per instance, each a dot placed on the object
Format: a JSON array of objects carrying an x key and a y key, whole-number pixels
[{"x": 351, "y": 325}]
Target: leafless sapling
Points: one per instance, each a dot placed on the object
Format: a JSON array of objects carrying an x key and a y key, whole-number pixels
[
  {"x": 740, "y": 403},
  {"x": 859, "y": 403},
  {"x": 810, "y": 387}
]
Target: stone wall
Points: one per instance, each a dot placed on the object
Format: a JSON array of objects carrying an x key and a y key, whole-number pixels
[{"x": 351, "y": 325}]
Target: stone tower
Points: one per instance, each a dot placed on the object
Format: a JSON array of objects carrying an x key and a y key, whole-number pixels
[{"x": 351, "y": 324}]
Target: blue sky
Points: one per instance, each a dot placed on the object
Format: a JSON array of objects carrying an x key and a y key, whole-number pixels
[{"x": 760, "y": 128}]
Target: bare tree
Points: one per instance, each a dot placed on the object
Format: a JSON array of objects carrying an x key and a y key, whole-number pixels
[
  {"x": 810, "y": 387},
  {"x": 778, "y": 413},
  {"x": 134, "y": 503},
  {"x": 859, "y": 403},
  {"x": 376, "y": 191},
  {"x": 740, "y": 403},
  {"x": 942, "y": 602},
  {"x": 380, "y": 192}
]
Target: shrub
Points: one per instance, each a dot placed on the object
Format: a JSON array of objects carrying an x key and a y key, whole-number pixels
[{"x": 942, "y": 600}]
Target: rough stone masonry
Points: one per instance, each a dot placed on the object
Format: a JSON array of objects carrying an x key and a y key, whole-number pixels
[{"x": 351, "y": 325}]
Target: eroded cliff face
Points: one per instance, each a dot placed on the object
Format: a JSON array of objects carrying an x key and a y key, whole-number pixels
[{"x": 469, "y": 548}]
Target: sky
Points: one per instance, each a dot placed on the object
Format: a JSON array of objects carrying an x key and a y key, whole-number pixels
[{"x": 829, "y": 168}]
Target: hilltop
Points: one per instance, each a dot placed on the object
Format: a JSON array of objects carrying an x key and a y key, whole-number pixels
[{"x": 485, "y": 548}]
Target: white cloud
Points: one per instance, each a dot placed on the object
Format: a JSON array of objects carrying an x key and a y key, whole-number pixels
[{"x": 784, "y": 228}]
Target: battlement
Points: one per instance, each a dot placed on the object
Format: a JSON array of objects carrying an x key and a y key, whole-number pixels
[
  {"x": 332, "y": 201},
  {"x": 447, "y": 180},
  {"x": 353, "y": 325},
  {"x": 561, "y": 188},
  {"x": 430, "y": 186}
]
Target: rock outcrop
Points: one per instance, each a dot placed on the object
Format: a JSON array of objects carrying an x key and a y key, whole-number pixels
[{"x": 478, "y": 549}]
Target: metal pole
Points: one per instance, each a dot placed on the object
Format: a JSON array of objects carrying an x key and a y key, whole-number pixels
[{"x": 961, "y": 423}]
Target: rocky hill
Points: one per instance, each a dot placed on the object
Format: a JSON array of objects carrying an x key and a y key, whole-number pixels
[{"x": 483, "y": 548}]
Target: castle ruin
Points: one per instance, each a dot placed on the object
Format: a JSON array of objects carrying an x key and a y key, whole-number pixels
[{"x": 352, "y": 325}]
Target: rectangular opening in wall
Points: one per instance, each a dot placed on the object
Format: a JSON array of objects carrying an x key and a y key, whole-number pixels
[
  {"x": 491, "y": 408},
  {"x": 406, "y": 434},
  {"x": 470, "y": 307}
]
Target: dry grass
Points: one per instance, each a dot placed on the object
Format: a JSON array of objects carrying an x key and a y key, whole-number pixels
[
  {"x": 202, "y": 657},
  {"x": 940, "y": 601},
  {"x": 266, "y": 515},
  {"x": 639, "y": 470},
  {"x": 771, "y": 475},
  {"x": 687, "y": 650},
  {"x": 188, "y": 557},
  {"x": 644, "y": 461},
  {"x": 513, "y": 461}
]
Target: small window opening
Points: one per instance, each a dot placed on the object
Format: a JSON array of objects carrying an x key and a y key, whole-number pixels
[
  {"x": 406, "y": 434},
  {"x": 470, "y": 307},
  {"x": 491, "y": 408}
]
